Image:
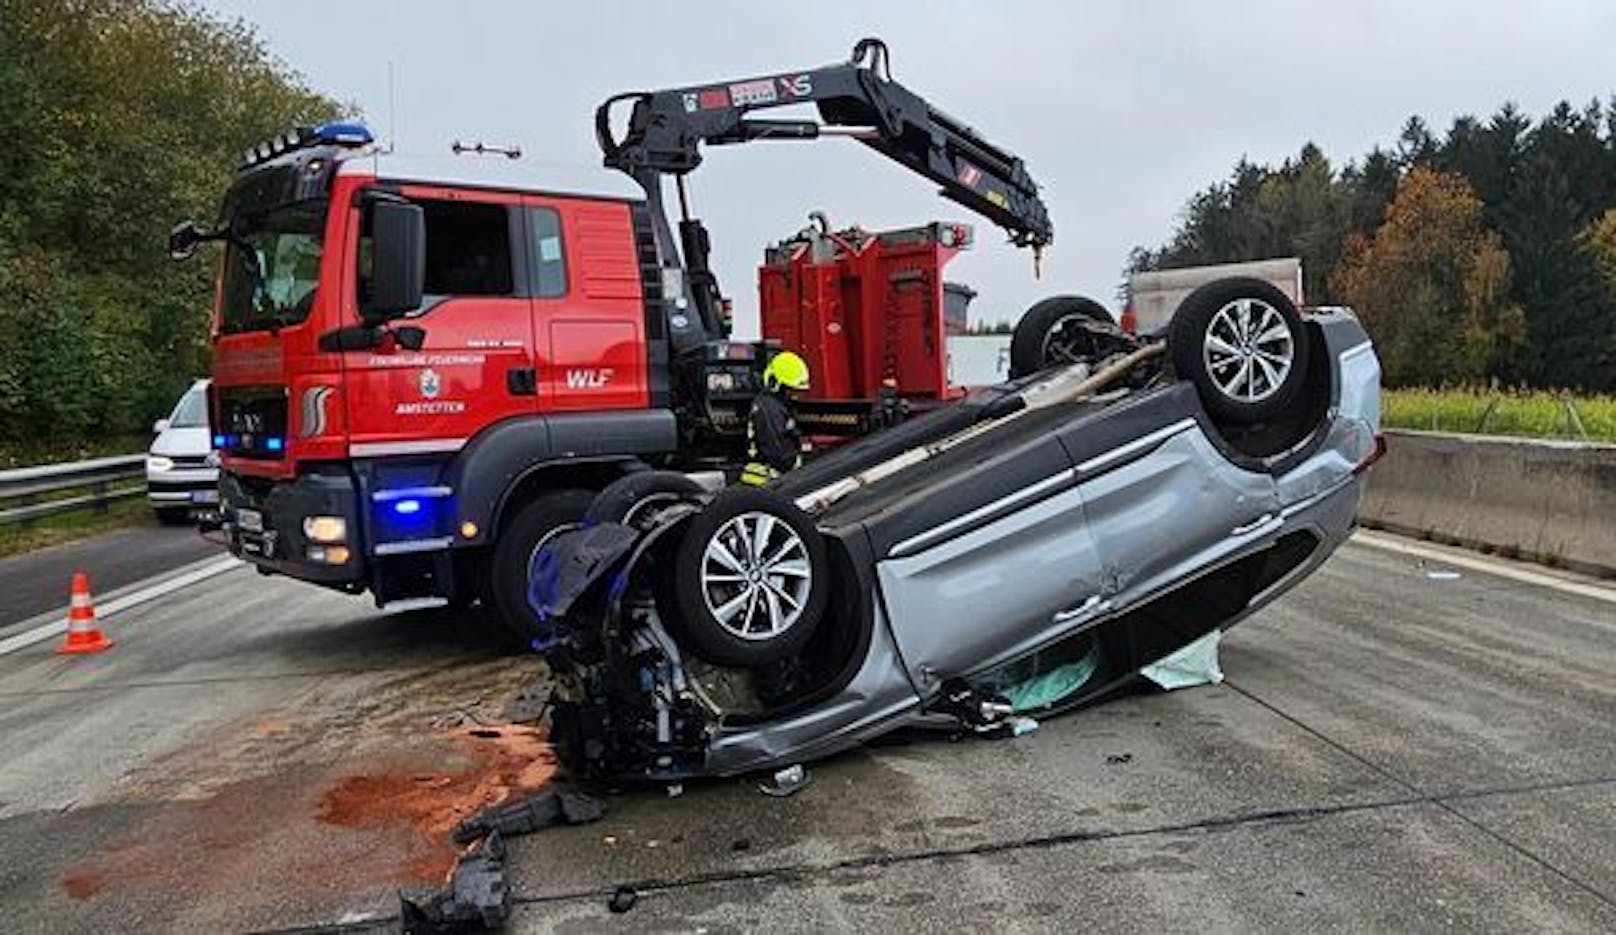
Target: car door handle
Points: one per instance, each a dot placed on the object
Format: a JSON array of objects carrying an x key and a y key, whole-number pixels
[
  {"x": 1257, "y": 523},
  {"x": 1095, "y": 604},
  {"x": 522, "y": 381}
]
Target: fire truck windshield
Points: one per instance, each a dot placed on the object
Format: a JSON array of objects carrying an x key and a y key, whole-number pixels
[{"x": 271, "y": 266}]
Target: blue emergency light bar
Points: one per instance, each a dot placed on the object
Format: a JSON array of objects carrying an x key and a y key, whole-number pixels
[{"x": 336, "y": 133}]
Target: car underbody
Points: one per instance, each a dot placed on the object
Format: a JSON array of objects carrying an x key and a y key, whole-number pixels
[{"x": 1024, "y": 551}]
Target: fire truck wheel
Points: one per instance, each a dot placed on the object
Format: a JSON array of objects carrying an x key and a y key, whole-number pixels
[
  {"x": 505, "y": 587},
  {"x": 751, "y": 580},
  {"x": 1051, "y": 333},
  {"x": 634, "y": 499},
  {"x": 1241, "y": 342}
]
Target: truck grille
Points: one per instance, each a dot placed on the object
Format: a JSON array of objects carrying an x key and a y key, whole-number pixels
[{"x": 252, "y": 421}]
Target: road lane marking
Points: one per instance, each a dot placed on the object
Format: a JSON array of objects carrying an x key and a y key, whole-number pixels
[
  {"x": 1488, "y": 566},
  {"x": 160, "y": 586}
]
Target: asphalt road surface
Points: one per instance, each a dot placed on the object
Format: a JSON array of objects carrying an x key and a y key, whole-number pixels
[
  {"x": 38, "y": 581},
  {"x": 1391, "y": 750}
]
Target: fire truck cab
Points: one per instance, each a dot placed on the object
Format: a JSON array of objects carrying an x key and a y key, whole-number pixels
[
  {"x": 385, "y": 456},
  {"x": 420, "y": 372}
]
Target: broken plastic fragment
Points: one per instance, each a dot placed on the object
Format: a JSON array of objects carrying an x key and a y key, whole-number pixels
[
  {"x": 531, "y": 814},
  {"x": 785, "y": 782},
  {"x": 1020, "y": 725},
  {"x": 477, "y": 894},
  {"x": 623, "y": 899}
]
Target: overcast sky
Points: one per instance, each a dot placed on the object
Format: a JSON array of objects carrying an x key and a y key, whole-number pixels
[{"x": 1121, "y": 110}]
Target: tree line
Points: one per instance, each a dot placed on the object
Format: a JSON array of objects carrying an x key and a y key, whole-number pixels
[
  {"x": 119, "y": 118},
  {"x": 1484, "y": 255}
]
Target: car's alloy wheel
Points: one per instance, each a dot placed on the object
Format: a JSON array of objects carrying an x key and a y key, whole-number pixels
[
  {"x": 756, "y": 577},
  {"x": 1243, "y": 344},
  {"x": 1249, "y": 350},
  {"x": 750, "y": 580}
]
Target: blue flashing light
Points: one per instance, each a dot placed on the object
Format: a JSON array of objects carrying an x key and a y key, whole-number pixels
[
  {"x": 275, "y": 444},
  {"x": 344, "y": 133},
  {"x": 218, "y": 441},
  {"x": 406, "y": 507}
]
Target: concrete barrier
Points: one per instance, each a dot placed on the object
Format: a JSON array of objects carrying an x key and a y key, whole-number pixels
[{"x": 1550, "y": 501}]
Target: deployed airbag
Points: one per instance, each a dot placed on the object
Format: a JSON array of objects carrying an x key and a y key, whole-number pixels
[{"x": 1195, "y": 664}]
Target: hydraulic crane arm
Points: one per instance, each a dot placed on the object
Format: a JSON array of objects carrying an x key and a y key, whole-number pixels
[{"x": 858, "y": 98}]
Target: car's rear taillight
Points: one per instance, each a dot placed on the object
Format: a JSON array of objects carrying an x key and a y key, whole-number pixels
[{"x": 1375, "y": 454}]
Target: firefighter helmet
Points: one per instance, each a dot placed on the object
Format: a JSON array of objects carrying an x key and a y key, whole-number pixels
[{"x": 786, "y": 369}]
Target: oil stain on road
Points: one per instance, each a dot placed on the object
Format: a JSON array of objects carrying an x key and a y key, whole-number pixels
[{"x": 317, "y": 810}]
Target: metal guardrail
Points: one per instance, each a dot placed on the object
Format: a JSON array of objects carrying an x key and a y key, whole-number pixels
[{"x": 99, "y": 475}]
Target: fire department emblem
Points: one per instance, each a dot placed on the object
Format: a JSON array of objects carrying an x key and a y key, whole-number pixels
[{"x": 431, "y": 383}]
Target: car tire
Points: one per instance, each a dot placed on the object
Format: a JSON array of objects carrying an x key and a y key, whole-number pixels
[
  {"x": 632, "y": 498},
  {"x": 173, "y": 515},
  {"x": 725, "y": 618},
  {"x": 505, "y": 585},
  {"x": 1041, "y": 334},
  {"x": 1242, "y": 343}
]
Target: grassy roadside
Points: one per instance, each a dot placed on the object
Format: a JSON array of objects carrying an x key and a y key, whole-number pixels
[
  {"x": 83, "y": 524},
  {"x": 20, "y": 454},
  {"x": 68, "y": 527},
  {"x": 1527, "y": 414}
]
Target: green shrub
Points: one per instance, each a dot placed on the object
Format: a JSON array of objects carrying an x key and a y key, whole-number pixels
[{"x": 1525, "y": 413}]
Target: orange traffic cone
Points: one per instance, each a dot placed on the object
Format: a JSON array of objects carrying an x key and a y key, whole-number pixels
[{"x": 83, "y": 636}]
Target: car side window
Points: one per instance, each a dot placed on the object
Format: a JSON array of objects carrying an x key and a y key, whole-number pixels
[{"x": 549, "y": 257}]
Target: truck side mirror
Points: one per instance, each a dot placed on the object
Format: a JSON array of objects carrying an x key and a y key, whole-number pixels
[
  {"x": 183, "y": 240},
  {"x": 398, "y": 260}
]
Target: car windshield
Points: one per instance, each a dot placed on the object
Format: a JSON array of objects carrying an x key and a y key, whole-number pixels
[
  {"x": 192, "y": 409},
  {"x": 271, "y": 266}
]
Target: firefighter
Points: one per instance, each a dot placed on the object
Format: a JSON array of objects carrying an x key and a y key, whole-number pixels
[{"x": 773, "y": 444}]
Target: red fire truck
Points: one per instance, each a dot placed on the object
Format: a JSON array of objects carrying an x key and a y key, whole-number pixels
[{"x": 419, "y": 375}]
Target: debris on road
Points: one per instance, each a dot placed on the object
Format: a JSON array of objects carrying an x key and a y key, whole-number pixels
[
  {"x": 476, "y": 898},
  {"x": 623, "y": 899},
  {"x": 531, "y": 814},
  {"x": 1443, "y": 574},
  {"x": 784, "y": 782}
]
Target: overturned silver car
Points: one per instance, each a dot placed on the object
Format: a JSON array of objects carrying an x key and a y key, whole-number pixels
[{"x": 1060, "y": 531}]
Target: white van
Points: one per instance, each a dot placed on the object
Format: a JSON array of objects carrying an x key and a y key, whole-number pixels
[{"x": 182, "y": 476}]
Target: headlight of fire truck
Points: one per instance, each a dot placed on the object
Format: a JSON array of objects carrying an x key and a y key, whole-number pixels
[{"x": 326, "y": 530}]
